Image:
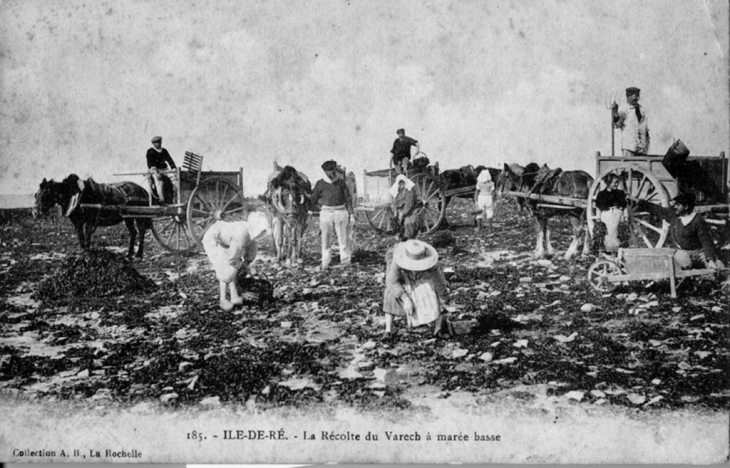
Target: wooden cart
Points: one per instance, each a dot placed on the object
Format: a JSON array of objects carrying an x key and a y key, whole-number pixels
[
  {"x": 201, "y": 198},
  {"x": 377, "y": 202},
  {"x": 643, "y": 264},
  {"x": 644, "y": 178}
]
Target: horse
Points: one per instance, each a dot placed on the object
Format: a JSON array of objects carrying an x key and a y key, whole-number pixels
[
  {"x": 545, "y": 181},
  {"x": 287, "y": 198},
  {"x": 465, "y": 176},
  {"x": 72, "y": 191}
]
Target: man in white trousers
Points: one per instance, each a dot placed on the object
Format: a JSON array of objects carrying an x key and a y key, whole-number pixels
[{"x": 336, "y": 213}]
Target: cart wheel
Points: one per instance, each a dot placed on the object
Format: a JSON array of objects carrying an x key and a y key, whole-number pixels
[
  {"x": 428, "y": 190},
  {"x": 646, "y": 229},
  {"x": 382, "y": 219},
  {"x": 173, "y": 234},
  {"x": 598, "y": 275},
  {"x": 212, "y": 200}
]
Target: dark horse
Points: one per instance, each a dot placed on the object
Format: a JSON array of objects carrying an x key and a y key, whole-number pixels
[
  {"x": 551, "y": 182},
  {"x": 72, "y": 192},
  {"x": 465, "y": 176},
  {"x": 287, "y": 198}
]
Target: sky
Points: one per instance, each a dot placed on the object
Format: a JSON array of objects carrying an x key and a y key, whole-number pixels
[{"x": 85, "y": 85}]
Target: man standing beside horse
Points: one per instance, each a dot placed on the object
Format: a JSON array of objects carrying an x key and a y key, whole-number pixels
[{"x": 336, "y": 213}]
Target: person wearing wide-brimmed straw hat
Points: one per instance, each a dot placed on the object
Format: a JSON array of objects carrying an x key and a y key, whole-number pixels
[
  {"x": 631, "y": 118},
  {"x": 415, "y": 286},
  {"x": 231, "y": 245}
]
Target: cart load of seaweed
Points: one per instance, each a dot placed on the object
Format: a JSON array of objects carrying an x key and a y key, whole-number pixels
[{"x": 95, "y": 273}]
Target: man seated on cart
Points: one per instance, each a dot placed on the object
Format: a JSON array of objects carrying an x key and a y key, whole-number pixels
[
  {"x": 402, "y": 151},
  {"x": 159, "y": 159},
  {"x": 691, "y": 234}
]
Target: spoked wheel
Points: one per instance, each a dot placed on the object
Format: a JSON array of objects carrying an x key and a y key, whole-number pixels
[
  {"x": 173, "y": 234},
  {"x": 646, "y": 228},
  {"x": 382, "y": 219},
  {"x": 212, "y": 200},
  {"x": 428, "y": 190},
  {"x": 598, "y": 275}
]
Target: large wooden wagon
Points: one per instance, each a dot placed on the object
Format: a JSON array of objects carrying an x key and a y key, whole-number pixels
[
  {"x": 644, "y": 178},
  {"x": 377, "y": 202},
  {"x": 201, "y": 198}
]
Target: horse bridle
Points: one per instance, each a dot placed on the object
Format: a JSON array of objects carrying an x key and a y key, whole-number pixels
[{"x": 287, "y": 214}]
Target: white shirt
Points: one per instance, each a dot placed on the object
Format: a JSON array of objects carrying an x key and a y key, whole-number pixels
[
  {"x": 485, "y": 183},
  {"x": 634, "y": 133}
]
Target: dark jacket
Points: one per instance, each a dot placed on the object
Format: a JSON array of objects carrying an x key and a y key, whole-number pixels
[
  {"x": 160, "y": 159},
  {"x": 328, "y": 194},
  {"x": 607, "y": 199}
]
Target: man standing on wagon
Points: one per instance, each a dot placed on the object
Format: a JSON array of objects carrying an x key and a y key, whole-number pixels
[
  {"x": 336, "y": 213},
  {"x": 158, "y": 159},
  {"x": 402, "y": 151},
  {"x": 631, "y": 119}
]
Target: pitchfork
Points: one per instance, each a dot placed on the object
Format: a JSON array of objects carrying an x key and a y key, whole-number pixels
[{"x": 610, "y": 103}]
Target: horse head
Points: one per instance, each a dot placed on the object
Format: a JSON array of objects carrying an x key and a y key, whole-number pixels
[
  {"x": 73, "y": 185},
  {"x": 289, "y": 192},
  {"x": 51, "y": 193}
]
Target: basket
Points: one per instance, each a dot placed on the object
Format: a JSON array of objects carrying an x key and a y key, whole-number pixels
[
  {"x": 675, "y": 158},
  {"x": 255, "y": 289}
]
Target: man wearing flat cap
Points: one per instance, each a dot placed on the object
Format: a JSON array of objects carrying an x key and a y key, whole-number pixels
[
  {"x": 402, "y": 151},
  {"x": 336, "y": 212},
  {"x": 690, "y": 233},
  {"x": 631, "y": 119},
  {"x": 158, "y": 159}
]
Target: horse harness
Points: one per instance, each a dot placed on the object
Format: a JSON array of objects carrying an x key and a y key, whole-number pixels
[
  {"x": 110, "y": 194},
  {"x": 285, "y": 214}
]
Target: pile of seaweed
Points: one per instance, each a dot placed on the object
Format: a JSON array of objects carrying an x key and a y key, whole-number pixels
[
  {"x": 94, "y": 273},
  {"x": 443, "y": 239}
]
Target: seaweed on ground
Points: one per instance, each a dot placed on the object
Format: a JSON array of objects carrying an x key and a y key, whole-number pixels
[{"x": 94, "y": 273}]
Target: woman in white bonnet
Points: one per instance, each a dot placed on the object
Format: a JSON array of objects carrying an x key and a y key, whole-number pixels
[
  {"x": 415, "y": 286},
  {"x": 231, "y": 245},
  {"x": 407, "y": 207}
]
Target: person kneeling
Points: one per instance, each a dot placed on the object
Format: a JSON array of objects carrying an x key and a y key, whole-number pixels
[
  {"x": 231, "y": 245},
  {"x": 415, "y": 286}
]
